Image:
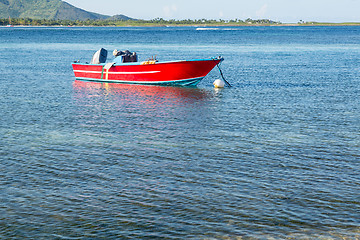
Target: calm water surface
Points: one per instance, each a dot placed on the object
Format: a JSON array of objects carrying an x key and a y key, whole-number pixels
[{"x": 276, "y": 156}]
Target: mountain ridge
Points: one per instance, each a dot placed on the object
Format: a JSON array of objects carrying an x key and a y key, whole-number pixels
[{"x": 49, "y": 9}]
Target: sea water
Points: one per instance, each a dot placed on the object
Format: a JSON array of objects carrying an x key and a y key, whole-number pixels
[{"x": 275, "y": 156}]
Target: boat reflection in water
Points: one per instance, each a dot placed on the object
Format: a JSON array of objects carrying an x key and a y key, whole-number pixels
[
  {"x": 141, "y": 113},
  {"x": 135, "y": 102},
  {"x": 139, "y": 94}
]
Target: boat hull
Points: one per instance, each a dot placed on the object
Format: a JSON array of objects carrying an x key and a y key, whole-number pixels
[{"x": 182, "y": 73}]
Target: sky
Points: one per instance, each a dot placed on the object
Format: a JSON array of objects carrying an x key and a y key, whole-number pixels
[{"x": 286, "y": 11}]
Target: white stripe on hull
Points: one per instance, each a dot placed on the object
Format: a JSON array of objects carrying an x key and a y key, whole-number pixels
[{"x": 184, "y": 82}]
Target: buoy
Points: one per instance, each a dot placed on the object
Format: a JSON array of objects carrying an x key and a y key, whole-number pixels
[{"x": 218, "y": 83}]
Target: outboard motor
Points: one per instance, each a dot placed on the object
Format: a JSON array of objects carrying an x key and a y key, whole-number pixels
[{"x": 100, "y": 56}]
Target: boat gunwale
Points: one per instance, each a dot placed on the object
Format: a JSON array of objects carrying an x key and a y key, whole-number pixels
[{"x": 142, "y": 63}]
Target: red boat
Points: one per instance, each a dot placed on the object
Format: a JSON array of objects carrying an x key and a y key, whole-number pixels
[{"x": 182, "y": 73}]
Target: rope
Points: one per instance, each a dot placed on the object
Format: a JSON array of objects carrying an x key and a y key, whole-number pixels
[
  {"x": 102, "y": 72},
  {"x": 222, "y": 75}
]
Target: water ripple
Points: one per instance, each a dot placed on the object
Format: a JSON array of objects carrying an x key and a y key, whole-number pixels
[{"x": 274, "y": 157}]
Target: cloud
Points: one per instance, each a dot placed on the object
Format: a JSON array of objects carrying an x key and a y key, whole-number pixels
[
  {"x": 262, "y": 11},
  {"x": 170, "y": 10}
]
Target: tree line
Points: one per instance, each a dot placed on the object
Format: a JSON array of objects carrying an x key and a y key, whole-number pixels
[{"x": 112, "y": 22}]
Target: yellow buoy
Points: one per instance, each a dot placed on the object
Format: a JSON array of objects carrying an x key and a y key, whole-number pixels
[{"x": 218, "y": 83}]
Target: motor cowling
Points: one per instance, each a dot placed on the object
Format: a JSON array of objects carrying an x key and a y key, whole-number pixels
[{"x": 100, "y": 56}]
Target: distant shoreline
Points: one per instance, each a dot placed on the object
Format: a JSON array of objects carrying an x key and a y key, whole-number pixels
[
  {"x": 197, "y": 25},
  {"x": 159, "y": 22}
]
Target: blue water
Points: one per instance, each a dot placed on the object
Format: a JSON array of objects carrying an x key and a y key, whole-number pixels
[{"x": 277, "y": 156}]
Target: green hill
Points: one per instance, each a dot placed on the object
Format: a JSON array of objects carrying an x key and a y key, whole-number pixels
[{"x": 47, "y": 9}]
